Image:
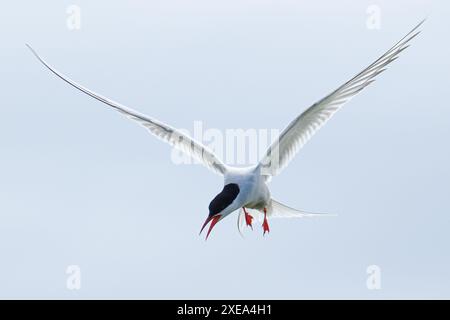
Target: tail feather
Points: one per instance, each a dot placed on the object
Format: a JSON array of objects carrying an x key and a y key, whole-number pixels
[
  {"x": 240, "y": 222},
  {"x": 280, "y": 210},
  {"x": 276, "y": 210}
]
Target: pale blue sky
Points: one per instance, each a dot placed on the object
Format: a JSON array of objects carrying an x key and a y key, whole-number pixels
[{"x": 81, "y": 185}]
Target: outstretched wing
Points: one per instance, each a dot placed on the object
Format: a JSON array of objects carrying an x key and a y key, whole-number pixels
[
  {"x": 161, "y": 130},
  {"x": 279, "y": 210},
  {"x": 299, "y": 131}
]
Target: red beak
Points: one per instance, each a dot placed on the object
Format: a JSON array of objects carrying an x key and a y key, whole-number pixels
[{"x": 214, "y": 219}]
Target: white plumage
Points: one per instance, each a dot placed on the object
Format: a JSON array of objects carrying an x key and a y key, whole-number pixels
[{"x": 246, "y": 189}]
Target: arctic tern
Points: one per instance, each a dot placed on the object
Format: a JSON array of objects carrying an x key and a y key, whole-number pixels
[{"x": 246, "y": 189}]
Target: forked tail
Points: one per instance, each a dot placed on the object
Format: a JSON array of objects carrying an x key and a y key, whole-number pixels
[
  {"x": 276, "y": 209},
  {"x": 280, "y": 210}
]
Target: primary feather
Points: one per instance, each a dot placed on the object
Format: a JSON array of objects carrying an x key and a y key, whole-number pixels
[
  {"x": 161, "y": 130},
  {"x": 302, "y": 128}
]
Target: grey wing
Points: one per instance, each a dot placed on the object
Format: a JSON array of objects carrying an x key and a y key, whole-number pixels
[
  {"x": 161, "y": 130},
  {"x": 302, "y": 128}
]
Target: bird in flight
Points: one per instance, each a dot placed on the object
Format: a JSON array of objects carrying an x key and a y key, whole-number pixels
[{"x": 246, "y": 189}]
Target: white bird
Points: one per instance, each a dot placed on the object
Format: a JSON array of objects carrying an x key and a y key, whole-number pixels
[{"x": 246, "y": 189}]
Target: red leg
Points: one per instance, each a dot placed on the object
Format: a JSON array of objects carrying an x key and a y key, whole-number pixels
[
  {"x": 265, "y": 224},
  {"x": 248, "y": 218}
]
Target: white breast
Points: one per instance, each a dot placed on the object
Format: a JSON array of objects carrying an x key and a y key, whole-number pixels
[{"x": 254, "y": 192}]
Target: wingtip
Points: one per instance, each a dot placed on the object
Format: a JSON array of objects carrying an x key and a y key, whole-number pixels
[
  {"x": 32, "y": 50},
  {"x": 420, "y": 24},
  {"x": 415, "y": 29}
]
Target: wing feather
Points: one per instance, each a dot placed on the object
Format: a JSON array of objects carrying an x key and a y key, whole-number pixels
[
  {"x": 302, "y": 128},
  {"x": 161, "y": 130}
]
